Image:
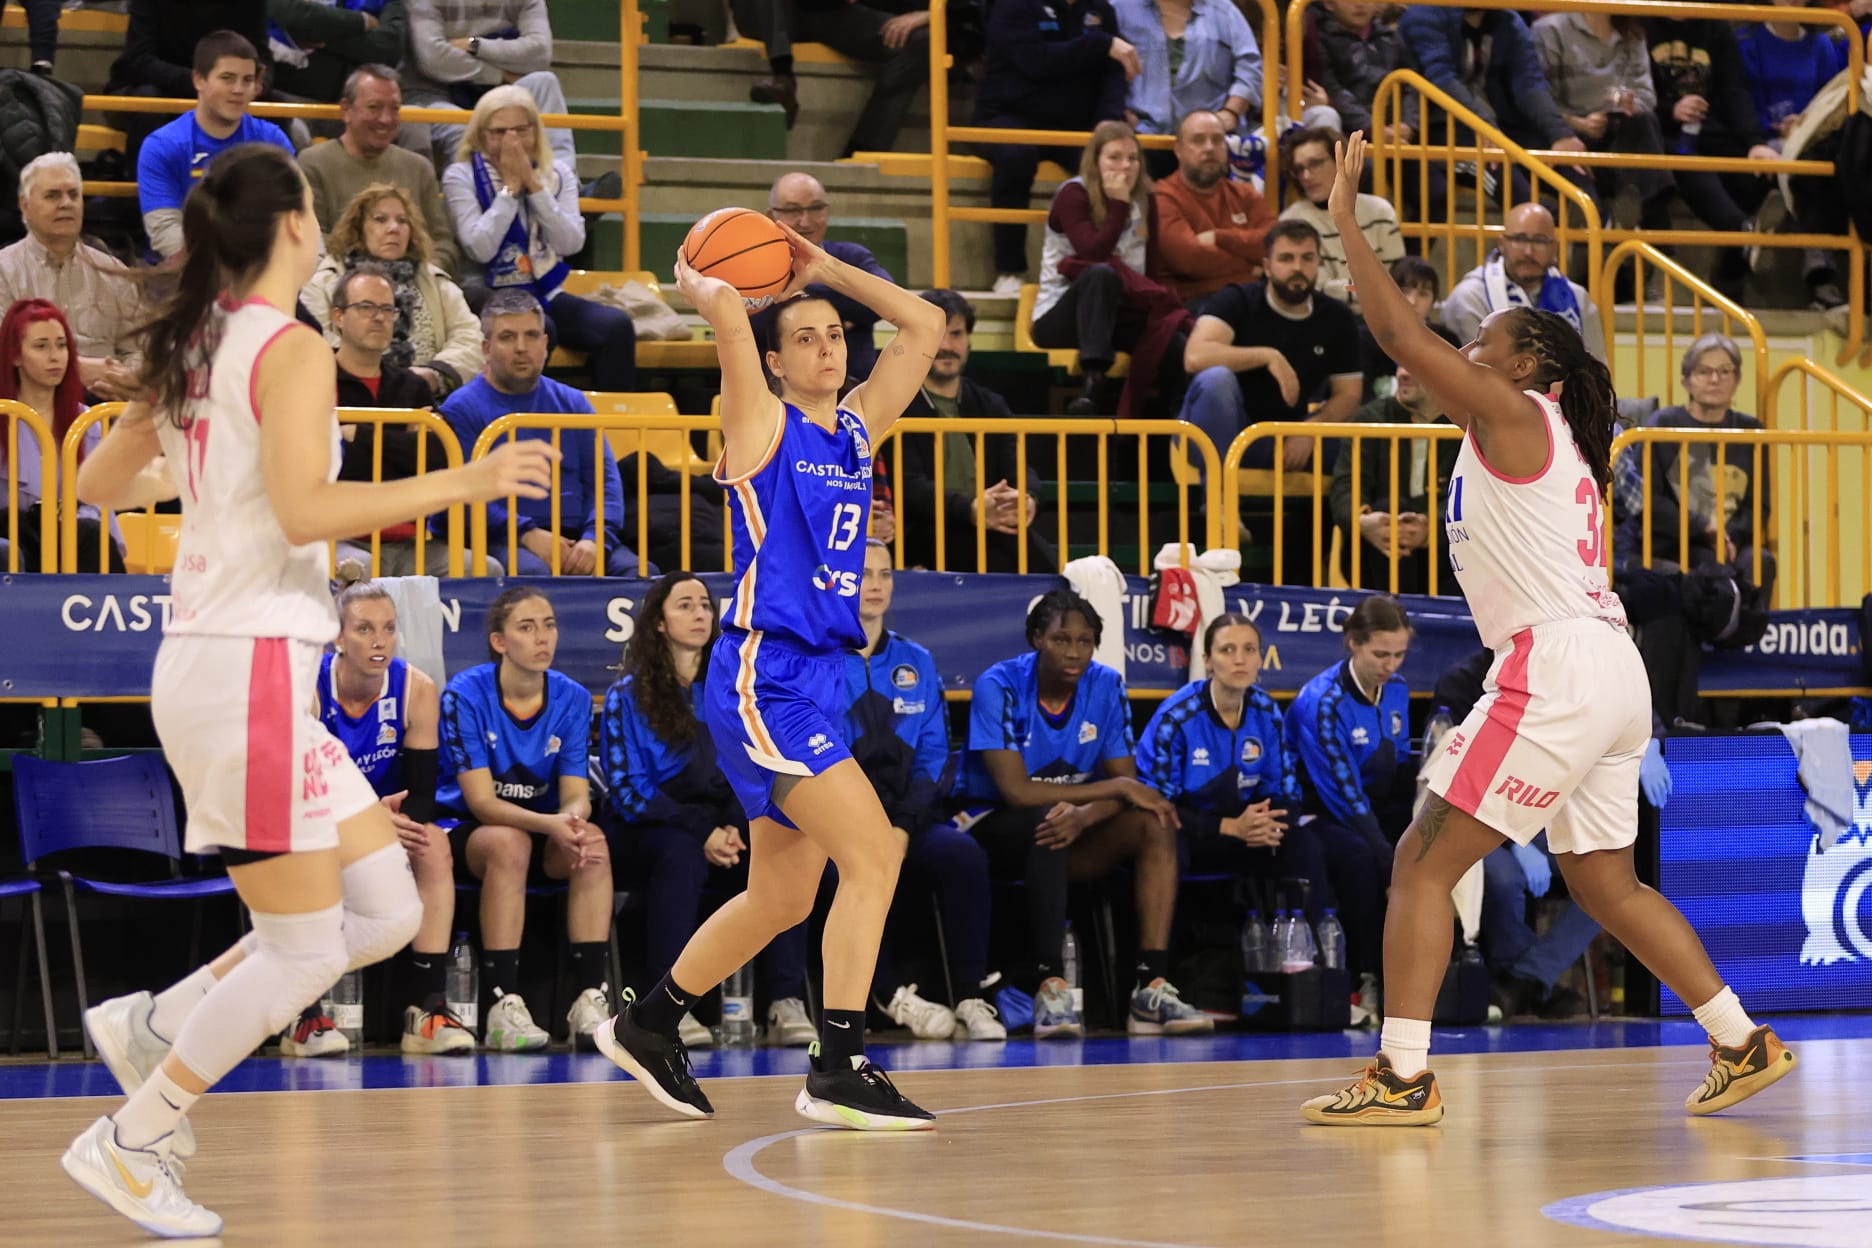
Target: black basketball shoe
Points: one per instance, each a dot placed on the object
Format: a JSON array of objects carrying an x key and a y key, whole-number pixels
[
  {"x": 659, "y": 1062},
  {"x": 860, "y": 1097}
]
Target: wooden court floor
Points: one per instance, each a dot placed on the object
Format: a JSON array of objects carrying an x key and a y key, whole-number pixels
[{"x": 1181, "y": 1154}]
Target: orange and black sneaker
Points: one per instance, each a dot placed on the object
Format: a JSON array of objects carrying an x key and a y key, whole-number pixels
[
  {"x": 432, "y": 1028},
  {"x": 1739, "y": 1073},
  {"x": 1379, "y": 1099}
]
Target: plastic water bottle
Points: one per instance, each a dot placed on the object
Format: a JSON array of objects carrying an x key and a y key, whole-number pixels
[
  {"x": 463, "y": 988},
  {"x": 1254, "y": 944},
  {"x": 1331, "y": 940},
  {"x": 1440, "y": 723},
  {"x": 737, "y": 1009},
  {"x": 1069, "y": 969},
  {"x": 347, "y": 1007},
  {"x": 1296, "y": 946}
]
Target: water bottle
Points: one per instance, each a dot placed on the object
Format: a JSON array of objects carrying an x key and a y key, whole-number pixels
[
  {"x": 737, "y": 1009},
  {"x": 1280, "y": 941},
  {"x": 1254, "y": 944},
  {"x": 346, "y": 1002},
  {"x": 1297, "y": 949},
  {"x": 1069, "y": 969},
  {"x": 463, "y": 988},
  {"x": 1440, "y": 723},
  {"x": 1331, "y": 941}
]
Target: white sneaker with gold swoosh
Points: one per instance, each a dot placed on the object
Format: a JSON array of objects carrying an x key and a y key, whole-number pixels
[{"x": 140, "y": 1183}]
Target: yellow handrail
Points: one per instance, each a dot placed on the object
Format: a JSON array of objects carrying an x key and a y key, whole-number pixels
[
  {"x": 1733, "y": 314},
  {"x": 942, "y": 213},
  {"x": 437, "y": 427},
  {"x": 16, "y": 414},
  {"x": 101, "y": 414},
  {"x": 1771, "y": 408}
]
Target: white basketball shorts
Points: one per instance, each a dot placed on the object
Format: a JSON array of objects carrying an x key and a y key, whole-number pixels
[
  {"x": 238, "y": 720},
  {"x": 1556, "y": 740}
]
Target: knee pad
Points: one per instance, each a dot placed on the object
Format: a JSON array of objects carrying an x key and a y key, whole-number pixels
[
  {"x": 295, "y": 958},
  {"x": 382, "y": 909}
]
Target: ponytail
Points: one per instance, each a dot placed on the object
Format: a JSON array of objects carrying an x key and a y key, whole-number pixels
[
  {"x": 1588, "y": 402},
  {"x": 229, "y": 223}
]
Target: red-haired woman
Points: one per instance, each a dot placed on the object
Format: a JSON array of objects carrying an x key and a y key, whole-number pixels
[{"x": 39, "y": 367}]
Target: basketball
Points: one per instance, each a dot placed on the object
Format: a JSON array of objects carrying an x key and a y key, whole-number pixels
[{"x": 744, "y": 249}]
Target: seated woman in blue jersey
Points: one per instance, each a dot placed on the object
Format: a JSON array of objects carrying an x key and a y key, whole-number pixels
[
  {"x": 670, "y": 812},
  {"x": 1039, "y": 726},
  {"x": 1216, "y": 748},
  {"x": 1350, "y": 731},
  {"x": 898, "y": 730},
  {"x": 515, "y": 798}
]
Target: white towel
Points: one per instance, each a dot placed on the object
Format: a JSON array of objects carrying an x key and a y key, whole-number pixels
[
  {"x": 1467, "y": 895},
  {"x": 1098, "y": 580},
  {"x": 418, "y": 602},
  {"x": 1212, "y": 570}
]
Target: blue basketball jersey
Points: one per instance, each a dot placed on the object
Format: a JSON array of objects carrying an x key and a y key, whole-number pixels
[
  {"x": 374, "y": 740},
  {"x": 799, "y": 534},
  {"x": 525, "y": 757},
  {"x": 1005, "y": 714}
]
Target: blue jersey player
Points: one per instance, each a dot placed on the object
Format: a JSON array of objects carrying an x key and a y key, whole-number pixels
[{"x": 797, "y": 468}]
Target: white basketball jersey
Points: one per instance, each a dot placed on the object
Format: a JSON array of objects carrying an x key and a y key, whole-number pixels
[
  {"x": 1529, "y": 550},
  {"x": 235, "y": 574}
]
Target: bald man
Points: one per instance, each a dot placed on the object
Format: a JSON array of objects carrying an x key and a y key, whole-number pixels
[
  {"x": 1523, "y": 272},
  {"x": 799, "y": 200}
]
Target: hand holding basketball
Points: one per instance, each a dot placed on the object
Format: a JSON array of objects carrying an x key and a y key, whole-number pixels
[
  {"x": 701, "y": 292},
  {"x": 747, "y": 251},
  {"x": 809, "y": 261}
]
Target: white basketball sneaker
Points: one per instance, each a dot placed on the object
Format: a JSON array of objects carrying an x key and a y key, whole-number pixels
[
  {"x": 510, "y": 1027},
  {"x": 976, "y": 1020},
  {"x": 693, "y": 1034},
  {"x": 140, "y": 1183},
  {"x": 588, "y": 1010},
  {"x": 120, "y": 1031},
  {"x": 925, "y": 1019},
  {"x": 787, "y": 1024}
]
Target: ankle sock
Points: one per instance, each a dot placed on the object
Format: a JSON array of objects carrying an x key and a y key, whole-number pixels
[
  {"x": 661, "y": 1009},
  {"x": 1406, "y": 1041},
  {"x": 841, "y": 1038},
  {"x": 1723, "y": 1017},
  {"x": 500, "y": 969},
  {"x": 425, "y": 975},
  {"x": 589, "y": 960},
  {"x": 152, "y": 1111}
]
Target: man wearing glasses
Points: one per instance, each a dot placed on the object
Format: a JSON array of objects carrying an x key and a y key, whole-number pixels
[
  {"x": 798, "y": 200},
  {"x": 1523, "y": 272}
]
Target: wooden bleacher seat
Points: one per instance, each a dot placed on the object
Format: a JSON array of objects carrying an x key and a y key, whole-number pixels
[
  {"x": 98, "y": 138},
  {"x": 696, "y": 353},
  {"x": 670, "y": 447},
  {"x": 150, "y": 541},
  {"x": 1067, "y": 358}
]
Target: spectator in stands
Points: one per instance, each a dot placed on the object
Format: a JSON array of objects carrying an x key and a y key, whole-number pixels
[
  {"x": 226, "y": 80},
  {"x": 1216, "y": 748},
  {"x": 897, "y": 727},
  {"x": 947, "y": 393},
  {"x": 1096, "y": 295},
  {"x": 1050, "y": 66},
  {"x": 517, "y": 806},
  {"x": 1522, "y": 272},
  {"x": 516, "y": 212},
  {"x": 434, "y": 332},
  {"x": 1367, "y": 516},
  {"x": 317, "y": 45},
  {"x": 42, "y": 19},
  {"x": 158, "y": 58},
  {"x": 1310, "y": 157},
  {"x": 1039, "y": 726},
  {"x": 367, "y": 153},
  {"x": 1599, "y": 72},
  {"x": 52, "y": 263},
  {"x": 799, "y": 201},
  {"x": 1705, "y": 108},
  {"x": 1351, "y": 45},
  {"x": 363, "y": 313},
  {"x": 1192, "y": 54},
  {"x": 1422, "y": 287},
  {"x": 671, "y": 816},
  {"x": 889, "y": 34},
  {"x": 1272, "y": 348},
  {"x": 459, "y": 50},
  {"x": 514, "y": 344},
  {"x": 1787, "y": 64},
  {"x": 1350, "y": 731},
  {"x": 1210, "y": 227},
  {"x": 39, "y": 368}
]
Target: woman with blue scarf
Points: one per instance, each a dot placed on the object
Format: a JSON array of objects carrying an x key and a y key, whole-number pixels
[{"x": 516, "y": 211}]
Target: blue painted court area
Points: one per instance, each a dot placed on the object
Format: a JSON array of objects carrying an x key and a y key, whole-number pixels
[{"x": 26, "y": 1081}]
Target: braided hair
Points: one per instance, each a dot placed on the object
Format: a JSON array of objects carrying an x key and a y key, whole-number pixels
[{"x": 1587, "y": 400}]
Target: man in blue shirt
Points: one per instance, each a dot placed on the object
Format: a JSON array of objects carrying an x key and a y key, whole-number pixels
[
  {"x": 513, "y": 328},
  {"x": 799, "y": 200},
  {"x": 227, "y": 78}
]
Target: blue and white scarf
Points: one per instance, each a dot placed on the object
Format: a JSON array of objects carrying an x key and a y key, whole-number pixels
[
  {"x": 1556, "y": 293},
  {"x": 521, "y": 258},
  {"x": 286, "y": 52}
]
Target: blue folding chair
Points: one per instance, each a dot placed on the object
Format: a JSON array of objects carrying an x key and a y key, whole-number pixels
[
  {"x": 111, "y": 803},
  {"x": 29, "y": 890}
]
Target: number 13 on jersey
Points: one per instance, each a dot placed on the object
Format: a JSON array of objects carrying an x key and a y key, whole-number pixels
[{"x": 847, "y": 523}]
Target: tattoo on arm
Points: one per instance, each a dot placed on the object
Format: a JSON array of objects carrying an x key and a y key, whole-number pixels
[
  {"x": 897, "y": 348},
  {"x": 1430, "y": 824}
]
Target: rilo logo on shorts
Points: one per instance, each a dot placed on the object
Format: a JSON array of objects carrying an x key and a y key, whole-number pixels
[{"x": 1835, "y": 883}]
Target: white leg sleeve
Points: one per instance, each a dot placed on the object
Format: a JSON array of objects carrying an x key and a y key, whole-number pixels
[
  {"x": 382, "y": 909},
  {"x": 298, "y": 956}
]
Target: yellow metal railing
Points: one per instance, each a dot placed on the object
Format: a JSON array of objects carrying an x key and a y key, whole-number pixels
[
  {"x": 434, "y": 426},
  {"x": 101, "y": 415},
  {"x": 1710, "y": 311},
  {"x": 1838, "y": 395},
  {"x": 1060, "y": 431},
  {"x": 625, "y": 125},
  {"x": 18, "y": 415},
  {"x": 942, "y": 134},
  {"x": 1316, "y": 488}
]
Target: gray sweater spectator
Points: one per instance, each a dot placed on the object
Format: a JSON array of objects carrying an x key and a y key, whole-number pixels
[{"x": 460, "y": 49}]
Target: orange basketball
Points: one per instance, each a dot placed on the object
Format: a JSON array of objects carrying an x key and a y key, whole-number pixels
[{"x": 744, "y": 249}]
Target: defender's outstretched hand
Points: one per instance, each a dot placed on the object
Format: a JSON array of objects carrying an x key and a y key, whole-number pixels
[{"x": 1350, "y": 156}]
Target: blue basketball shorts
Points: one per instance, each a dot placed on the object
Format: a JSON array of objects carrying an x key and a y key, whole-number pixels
[{"x": 773, "y": 709}]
